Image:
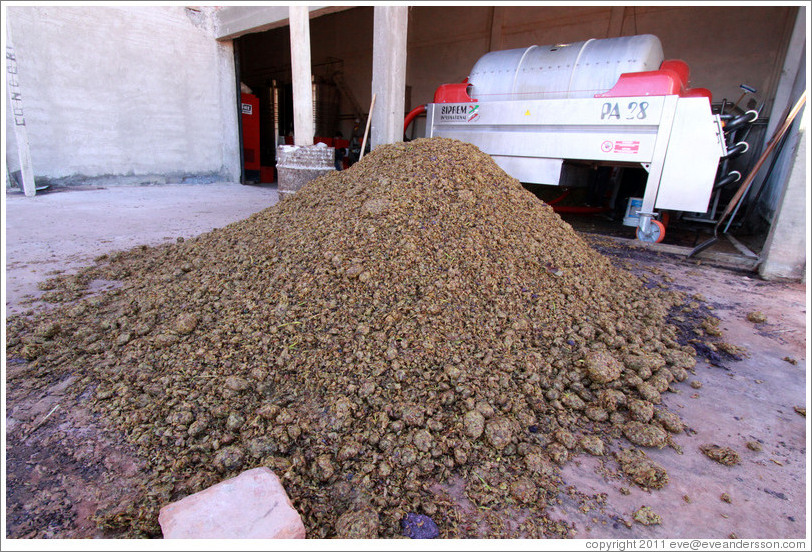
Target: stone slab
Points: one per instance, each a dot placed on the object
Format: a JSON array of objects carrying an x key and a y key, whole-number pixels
[{"x": 253, "y": 505}]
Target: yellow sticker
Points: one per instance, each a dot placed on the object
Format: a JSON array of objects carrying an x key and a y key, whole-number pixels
[{"x": 527, "y": 112}]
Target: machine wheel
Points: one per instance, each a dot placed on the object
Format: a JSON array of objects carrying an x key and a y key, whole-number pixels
[{"x": 655, "y": 234}]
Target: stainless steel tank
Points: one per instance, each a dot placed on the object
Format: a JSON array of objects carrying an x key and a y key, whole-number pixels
[
  {"x": 561, "y": 71},
  {"x": 325, "y": 108}
]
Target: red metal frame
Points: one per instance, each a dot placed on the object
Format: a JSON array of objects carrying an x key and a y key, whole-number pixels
[
  {"x": 670, "y": 79},
  {"x": 453, "y": 93}
]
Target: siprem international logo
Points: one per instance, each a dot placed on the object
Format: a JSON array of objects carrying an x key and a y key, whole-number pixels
[{"x": 459, "y": 113}]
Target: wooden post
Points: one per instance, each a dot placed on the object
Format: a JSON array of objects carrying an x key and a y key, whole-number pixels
[{"x": 366, "y": 130}]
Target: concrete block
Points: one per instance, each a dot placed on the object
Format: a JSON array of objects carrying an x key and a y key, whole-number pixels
[
  {"x": 298, "y": 165},
  {"x": 253, "y": 505}
]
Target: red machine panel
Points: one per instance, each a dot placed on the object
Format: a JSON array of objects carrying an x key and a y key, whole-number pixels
[{"x": 250, "y": 131}]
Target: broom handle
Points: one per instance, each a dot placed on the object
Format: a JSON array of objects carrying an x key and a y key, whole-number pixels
[
  {"x": 763, "y": 158},
  {"x": 366, "y": 130}
]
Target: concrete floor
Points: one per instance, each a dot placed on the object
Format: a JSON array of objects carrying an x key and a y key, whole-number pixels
[
  {"x": 753, "y": 399},
  {"x": 66, "y": 229}
]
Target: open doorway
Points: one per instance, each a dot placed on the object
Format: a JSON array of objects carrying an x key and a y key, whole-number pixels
[{"x": 341, "y": 72}]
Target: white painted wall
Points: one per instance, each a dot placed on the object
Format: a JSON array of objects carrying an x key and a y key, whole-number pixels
[{"x": 126, "y": 93}]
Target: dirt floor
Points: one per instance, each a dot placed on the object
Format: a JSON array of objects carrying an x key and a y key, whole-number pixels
[{"x": 62, "y": 468}]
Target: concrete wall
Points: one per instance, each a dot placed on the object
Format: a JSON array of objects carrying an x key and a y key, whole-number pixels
[
  {"x": 126, "y": 94},
  {"x": 769, "y": 187},
  {"x": 784, "y": 254}
]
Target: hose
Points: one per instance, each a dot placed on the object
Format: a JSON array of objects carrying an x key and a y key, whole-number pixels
[
  {"x": 412, "y": 115},
  {"x": 732, "y": 177},
  {"x": 559, "y": 198},
  {"x": 737, "y": 150},
  {"x": 748, "y": 118},
  {"x": 574, "y": 209}
]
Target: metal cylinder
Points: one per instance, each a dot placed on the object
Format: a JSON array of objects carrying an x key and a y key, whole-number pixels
[
  {"x": 325, "y": 108},
  {"x": 574, "y": 70}
]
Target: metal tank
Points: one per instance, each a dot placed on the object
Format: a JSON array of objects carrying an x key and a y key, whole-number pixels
[
  {"x": 562, "y": 71},
  {"x": 325, "y": 108}
]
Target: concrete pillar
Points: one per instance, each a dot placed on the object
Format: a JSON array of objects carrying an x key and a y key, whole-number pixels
[
  {"x": 15, "y": 105},
  {"x": 302, "y": 162},
  {"x": 303, "y": 124},
  {"x": 784, "y": 253},
  {"x": 389, "y": 74},
  {"x": 793, "y": 60}
]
